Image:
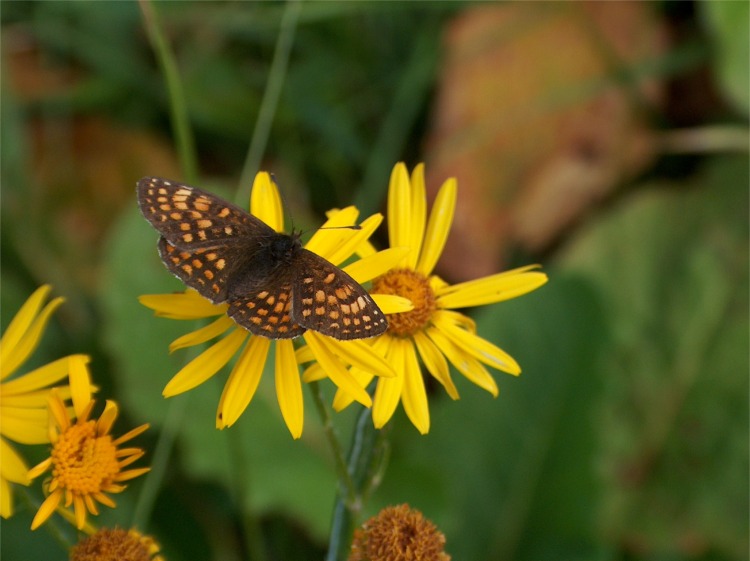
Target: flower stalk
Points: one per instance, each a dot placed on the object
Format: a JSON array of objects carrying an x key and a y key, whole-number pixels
[{"x": 365, "y": 464}]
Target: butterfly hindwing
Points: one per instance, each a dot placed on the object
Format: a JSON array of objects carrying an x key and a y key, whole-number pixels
[
  {"x": 267, "y": 312},
  {"x": 327, "y": 300},
  {"x": 205, "y": 270}
]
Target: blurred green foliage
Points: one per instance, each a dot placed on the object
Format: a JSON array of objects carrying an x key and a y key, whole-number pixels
[{"x": 625, "y": 438}]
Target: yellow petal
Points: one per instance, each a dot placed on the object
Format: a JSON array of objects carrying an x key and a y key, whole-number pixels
[
  {"x": 399, "y": 207},
  {"x": 333, "y": 232},
  {"x": 39, "y": 378},
  {"x": 59, "y": 415},
  {"x": 13, "y": 468},
  {"x": 39, "y": 469},
  {"x": 12, "y": 356},
  {"x": 313, "y": 373},
  {"x": 243, "y": 381},
  {"x": 342, "y": 399},
  {"x": 479, "y": 348},
  {"x": 25, "y": 426},
  {"x": 464, "y": 363},
  {"x": 184, "y": 305},
  {"x": 304, "y": 354},
  {"x": 6, "y": 499},
  {"x": 413, "y": 394},
  {"x": 418, "y": 215},
  {"x": 334, "y": 368},
  {"x": 392, "y": 304},
  {"x": 206, "y": 333},
  {"x": 48, "y": 507},
  {"x": 342, "y": 251},
  {"x": 127, "y": 456},
  {"x": 361, "y": 354},
  {"x": 491, "y": 289},
  {"x": 265, "y": 202},
  {"x": 79, "y": 507},
  {"x": 438, "y": 227},
  {"x": 368, "y": 268},
  {"x": 80, "y": 382},
  {"x": 388, "y": 390},
  {"x": 130, "y": 474},
  {"x": 107, "y": 418},
  {"x": 205, "y": 365},
  {"x": 366, "y": 249},
  {"x": 130, "y": 435},
  {"x": 90, "y": 504},
  {"x": 435, "y": 362},
  {"x": 21, "y": 322},
  {"x": 289, "y": 387}
]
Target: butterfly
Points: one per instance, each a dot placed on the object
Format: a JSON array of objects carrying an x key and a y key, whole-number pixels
[{"x": 274, "y": 287}]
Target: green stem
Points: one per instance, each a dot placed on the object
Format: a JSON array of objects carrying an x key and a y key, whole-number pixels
[
  {"x": 346, "y": 485},
  {"x": 365, "y": 467},
  {"x": 270, "y": 100},
  {"x": 177, "y": 106}
]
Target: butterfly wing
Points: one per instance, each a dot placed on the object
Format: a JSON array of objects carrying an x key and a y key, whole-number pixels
[
  {"x": 206, "y": 270},
  {"x": 266, "y": 312},
  {"x": 190, "y": 219},
  {"x": 329, "y": 301}
]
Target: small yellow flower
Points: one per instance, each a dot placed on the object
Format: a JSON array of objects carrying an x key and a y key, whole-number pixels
[
  {"x": 86, "y": 461},
  {"x": 116, "y": 544},
  {"x": 398, "y": 533},
  {"x": 432, "y": 331},
  {"x": 336, "y": 245},
  {"x": 23, "y": 399}
]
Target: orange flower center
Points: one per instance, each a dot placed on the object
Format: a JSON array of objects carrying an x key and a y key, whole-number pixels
[
  {"x": 83, "y": 462},
  {"x": 398, "y": 533},
  {"x": 113, "y": 544},
  {"x": 414, "y": 286}
]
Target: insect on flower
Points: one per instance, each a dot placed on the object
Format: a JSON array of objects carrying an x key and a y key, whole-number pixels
[{"x": 274, "y": 287}]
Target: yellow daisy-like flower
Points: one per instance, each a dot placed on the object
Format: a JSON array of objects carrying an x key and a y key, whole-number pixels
[
  {"x": 335, "y": 245},
  {"x": 86, "y": 461},
  {"x": 23, "y": 399},
  {"x": 432, "y": 330}
]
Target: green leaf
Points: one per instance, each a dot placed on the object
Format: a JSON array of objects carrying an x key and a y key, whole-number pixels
[
  {"x": 728, "y": 22},
  {"x": 671, "y": 265}
]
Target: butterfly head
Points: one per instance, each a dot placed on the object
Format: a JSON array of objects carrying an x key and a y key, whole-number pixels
[{"x": 283, "y": 247}]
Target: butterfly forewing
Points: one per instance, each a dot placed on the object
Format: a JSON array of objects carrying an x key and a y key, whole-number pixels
[
  {"x": 329, "y": 301},
  {"x": 190, "y": 218},
  {"x": 205, "y": 270}
]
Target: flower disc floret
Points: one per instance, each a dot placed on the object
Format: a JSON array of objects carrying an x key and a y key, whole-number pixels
[
  {"x": 84, "y": 462},
  {"x": 414, "y": 286}
]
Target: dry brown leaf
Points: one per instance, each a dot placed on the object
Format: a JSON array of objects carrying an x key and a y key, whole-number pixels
[{"x": 532, "y": 123}]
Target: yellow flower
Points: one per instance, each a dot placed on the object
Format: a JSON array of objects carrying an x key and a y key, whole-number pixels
[
  {"x": 116, "y": 544},
  {"x": 336, "y": 245},
  {"x": 23, "y": 399},
  {"x": 433, "y": 330},
  {"x": 86, "y": 461}
]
